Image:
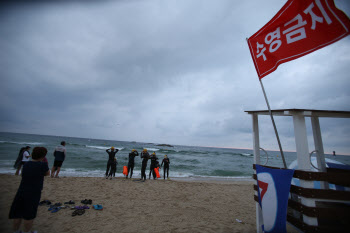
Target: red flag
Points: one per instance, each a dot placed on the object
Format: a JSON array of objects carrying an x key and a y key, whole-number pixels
[{"x": 299, "y": 28}]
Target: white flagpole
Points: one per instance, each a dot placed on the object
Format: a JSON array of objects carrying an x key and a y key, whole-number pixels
[
  {"x": 273, "y": 121},
  {"x": 274, "y": 125}
]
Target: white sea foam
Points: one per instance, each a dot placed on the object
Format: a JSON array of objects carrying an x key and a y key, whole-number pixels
[
  {"x": 10, "y": 171},
  {"x": 100, "y": 173},
  {"x": 23, "y": 143},
  {"x": 71, "y": 172},
  {"x": 152, "y": 149},
  {"x": 103, "y": 147},
  {"x": 247, "y": 155},
  {"x": 7, "y": 162}
]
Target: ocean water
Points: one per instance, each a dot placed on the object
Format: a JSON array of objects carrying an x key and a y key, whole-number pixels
[{"x": 88, "y": 157}]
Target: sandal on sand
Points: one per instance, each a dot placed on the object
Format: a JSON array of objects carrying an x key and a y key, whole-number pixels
[
  {"x": 81, "y": 212},
  {"x": 78, "y": 212},
  {"x": 98, "y": 207},
  {"x": 70, "y": 202},
  {"x": 45, "y": 202},
  {"x": 85, "y": 207},
  {"x": 79, "y": 207},
  {"x": 58, "y": 204},
  {"x": 75, "y": 212},
  {"x": 87, "y": 202},
  {"x": 84, "y": 201},
  {"x": 55, "y": 209}
]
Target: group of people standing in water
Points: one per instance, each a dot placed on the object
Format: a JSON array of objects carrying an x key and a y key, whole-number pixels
[{"x": 145, "y": 156}]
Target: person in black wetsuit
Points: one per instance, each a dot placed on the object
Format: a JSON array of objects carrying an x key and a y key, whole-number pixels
[
  {"x": 166, "y": 162},
  {"x": 144, "y": 156},
  {"x": 153, "y": 165},
  {"x": 113, "y": 168},
  {"x": 111, "y": 157},
  {"x": 131, "y": 161}
]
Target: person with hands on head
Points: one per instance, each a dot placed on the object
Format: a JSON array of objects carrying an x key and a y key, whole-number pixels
[
  {"x": 113, "y": 169},
  {"x": 154, "y": 159},
  {"x": 145, "y": 157},
  {"x": 131, "y": 163},
  {"x": 111, "y": 155}
]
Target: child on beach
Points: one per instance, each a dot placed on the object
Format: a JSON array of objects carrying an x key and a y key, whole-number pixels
[
  {"x": 26, "y": 201},
  {"x": 23, "y": 157},
  {"x": 113, "y": 169}
]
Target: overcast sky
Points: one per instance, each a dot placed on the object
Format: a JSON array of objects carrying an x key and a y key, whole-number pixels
[{"x": 177, "y": 72}]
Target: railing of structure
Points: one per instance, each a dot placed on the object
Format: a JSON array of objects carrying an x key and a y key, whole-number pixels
[
  {"x": 267, "y": 156},
  {"x": 332, "y": 208},
  {"x": 314, "y": 151}
]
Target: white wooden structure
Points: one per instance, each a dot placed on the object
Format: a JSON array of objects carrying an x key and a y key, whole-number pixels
[{"x": 302, "y": 148}]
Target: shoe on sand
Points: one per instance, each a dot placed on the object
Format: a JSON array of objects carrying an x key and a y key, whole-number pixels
[
  {"x": 78, "y": 212},
  {"x": 55, "y": 209},
  {"x": 70, "y": 202},
  {"x": 98, "y": 207}
]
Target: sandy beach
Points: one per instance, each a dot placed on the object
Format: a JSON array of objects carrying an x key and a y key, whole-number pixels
[{"x": 132, "y": 206}]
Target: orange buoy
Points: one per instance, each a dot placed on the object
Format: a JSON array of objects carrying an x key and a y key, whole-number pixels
[
  {"x": 156, "y": 170},
  {"x": 125, "y": 170}
]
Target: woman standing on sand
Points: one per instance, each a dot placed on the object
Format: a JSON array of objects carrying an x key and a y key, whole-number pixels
[{"x": 26, "y": 202}]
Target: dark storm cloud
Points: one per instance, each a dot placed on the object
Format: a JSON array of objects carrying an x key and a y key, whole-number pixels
[{"x": 175, "y": 72}]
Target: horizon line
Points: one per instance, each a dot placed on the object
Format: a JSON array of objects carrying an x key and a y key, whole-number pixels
[{"x": 222, "y": 147}]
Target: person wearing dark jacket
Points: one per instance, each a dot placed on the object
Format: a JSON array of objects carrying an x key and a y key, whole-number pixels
[
  {"x": 25, "y": 204},
  {"x": 111, "y": 156},
  {"x": 144, "y": 156},
  {"x": 131, "y": 163},
  {"x": 166, "y": 162},
  {"x": 60, "y": 156}
]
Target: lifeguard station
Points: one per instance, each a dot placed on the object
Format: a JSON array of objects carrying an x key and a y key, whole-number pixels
[{"x": 310, "y": 209}]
